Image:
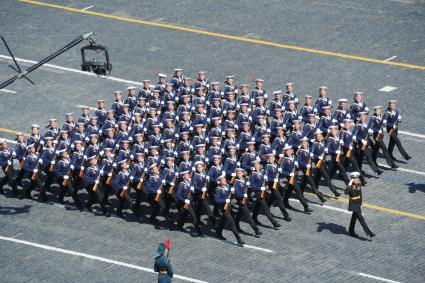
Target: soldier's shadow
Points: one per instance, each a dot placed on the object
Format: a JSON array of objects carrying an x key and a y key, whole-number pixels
[
  {"x": 335, "y": 229},
  {"x": 12, "y": 210},
  {"x": 414, "y": 187}
]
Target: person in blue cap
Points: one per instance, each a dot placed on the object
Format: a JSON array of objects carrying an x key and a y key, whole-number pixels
[{"x": 163, "y": 265}]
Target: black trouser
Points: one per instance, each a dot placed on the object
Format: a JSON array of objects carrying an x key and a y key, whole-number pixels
[
  {"x": 358, "y": 215},
  {"x": 379, "y": 144},
  {"x": 123, "y": 200},
  {"x": 227, "y": 217},
  {"x": 141, "y": 195},
  {"x": 276, "y": 197},
  {"x": 49, "y": 177},
  {"x": 360, "y": 155},
  {"x": 341, "y": 169},
  {"x": 243, "y": 212},
  {"x": 107, "y": 189},
  {"x": 77, "y": 181},
  {"x": 298, "y": 193},
  {"x": 63, "y": 189},
  {"x": 308, "y": 179},
  {"x": 94, "y": 196},
  {"x": 170, "y": 199},
  {"x": 323, "y": 172},
  {"x": 260, "y": 204},
  {"x": 7, "y": 179},
  {"x": 394, "y": 140},
  {"x": 19, "y": 176},
  {"x": 157, "y": 206},
  {"x": 184, "y": 212},
  {"x": 202, "y": 207},
  {"x": 34, "y": 185}
]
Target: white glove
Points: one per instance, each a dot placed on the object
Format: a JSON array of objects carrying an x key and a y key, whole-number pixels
[
  {"x": 13, "y": 154},
  {"x": 341, "y": 142},
  {"x": 186, "y": 201},
  {"x": 86, "y": 139},
  {"x": 42, "y": 142},
  {"x": 338, "y": 152},
  {"x": 40, "y": 161},
  {"x": 158, "y": 191},
  {"x": 300, "y": 117},
  {"x": 192, "y": 189},
  {"x": 101, "y": 153},
  {"x": 366, "y": 109},
  {"x": 66, "y": 177},
  {"x": 399, "y": 117},
  {"x": 320, "y": 157},
  {"x": 279, "y": 170},
  {"x": 101, "y": 172},
  {"x": 263, "y": 188},
  {"x": 53, "y": 162},
  {"x": 72, "y": 167},
  {"x": 276, "y": 180},
  {"x": 96, "y": 181},
  {"x": 291, "y": 174},
  {"x": 326, "y": 150},
  {"x": 248, "y": 183},
  {"x": 114, "y": 164},
  {"x": 370, "y": 131},
  {"x": 350, "y": 147},
  {"x": 308, "y": 166},
  {"x": 55, "y": 141},
  {"x": 296, "y": 163},
  {"x": 85, "y": 157},
  {"x": 117, "y": 145},
  {"x": 131, "y": 156},
  {"x": 232, "y": 190},
  {"x": 384, "y": 122},
  {"x": 131, "y": 178},
  {"x": 82, "y": 167},
  {"x": 245, "y": 195},
  {"x": 204, "y": 189},
  {"x": 163, "y": 182},
  {"x": 364, "y": 141},
  {"x": 110, "y": 174},
  {"x": 227, "y": 200},
  {"x": 354, "y": 138},
  {"x": 380, "y": 131},
  {"x": 172, "y": 184},
  {"x": 35, "y": 170},
  {"x": 334, "y": 120},
  {"x": 125, "y": 188},
  {"x": 311, "y": 154},
  {"x": 9, "y": 162},
  {"x": 233, "y": 174}
]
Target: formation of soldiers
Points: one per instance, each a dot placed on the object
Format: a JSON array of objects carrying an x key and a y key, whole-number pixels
[{"x": 226, "y": 152}]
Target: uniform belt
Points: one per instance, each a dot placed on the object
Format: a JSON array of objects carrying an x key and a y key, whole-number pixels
[
  {"x": 163, "y": 271},
  {"x": 354, "y": 198}
]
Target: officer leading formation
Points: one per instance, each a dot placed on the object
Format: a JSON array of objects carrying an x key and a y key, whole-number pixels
[{"x": 200, "y": 148}]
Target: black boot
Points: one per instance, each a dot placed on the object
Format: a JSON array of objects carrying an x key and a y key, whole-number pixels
[
  {"x": 241, "y": 242},
  {"x": 220, "y": 236},
  {"x": 258, "y": 233},
  {"x": 307, "y": 210}
]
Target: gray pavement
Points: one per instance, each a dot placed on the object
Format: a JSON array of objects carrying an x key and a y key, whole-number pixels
[{"x": 311, "y": 248}]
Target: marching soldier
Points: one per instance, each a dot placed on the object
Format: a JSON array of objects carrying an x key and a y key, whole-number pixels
[
  {"x": 6, "y": 163},
  {"x": 393, "y": 120},
  {"x": 63, "y": 173},
  {"x": 222, "y": 197},
  {"x": 354, "y": 192}
]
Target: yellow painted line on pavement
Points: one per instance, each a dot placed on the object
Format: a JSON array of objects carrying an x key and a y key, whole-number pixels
[
  {"x": 9, "y": 131},
  {"x": 379, "y": 208},
  {"x": 225, "y": 36}
]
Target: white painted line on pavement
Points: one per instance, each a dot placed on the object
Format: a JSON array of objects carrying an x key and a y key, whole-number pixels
[
  {"x": 244, "y": 246},
  {"x": 377, "y": 278},
  {"x": 86, "y": 8},
  {"x": 9, "y": 141},
  {"x": 73, "y": 70},
  {"x": 98, "y": 258},
  {"x": 326, "y": 207},
  {"x": 388, "y": 88},
  {"x": 403, "y": 170},
  {"x": 7, "y": 90},
  {"x": 412, "y": 134},
  {"x": 389, "y": 59},
  {"x": 81, "y": 106}
]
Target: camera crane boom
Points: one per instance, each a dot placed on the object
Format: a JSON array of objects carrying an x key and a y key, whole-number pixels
[{"x": 91, "y": 65}]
